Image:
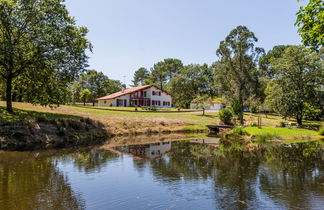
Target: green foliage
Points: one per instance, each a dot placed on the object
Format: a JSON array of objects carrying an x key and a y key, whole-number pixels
[
  {"x": 240, "y": 131},
  {"x": 265, "y": 137},
  {"x": 192, "y": 81},
  {"x": 84, "y": 95},
  {"x": 202, "y": 102},
  {"x": 97, "y": 83},
  {"x": 41, "y": 50},
  {"x": 164, "y": 70},
  {"x": 237, "y": 75},
  {"x": 298, "y": 79},
  {"x": 321, "y": 132},
  {"x": 312, "y": 113},
  {"x": 310, "y": 20},
  {"x": 226, "y": 116},
  {"x": 149, "y": 108},
  {"x": 236, "y": 107},
  {"x": 141, "y": 76}
]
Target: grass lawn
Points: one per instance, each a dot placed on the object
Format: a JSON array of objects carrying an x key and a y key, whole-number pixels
[
  {"x": 122, "y": 122},
  {"x": 284, "y": 133}
]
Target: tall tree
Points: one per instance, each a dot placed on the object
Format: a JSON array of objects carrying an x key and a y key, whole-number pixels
[
  {"x": 310, "y": 20},
  {"x": 299, "y": 78},
  {"x": 140, "y": 76},
  {"x": 40, "y": 45},
  {"x": 164, "y": 70},
  {"x": 236, "y": 71}
]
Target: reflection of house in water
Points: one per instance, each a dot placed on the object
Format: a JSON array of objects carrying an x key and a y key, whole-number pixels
[{"x": 146, "y": 150}]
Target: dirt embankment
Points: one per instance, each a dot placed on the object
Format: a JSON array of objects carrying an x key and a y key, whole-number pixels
[{"x": 46, "y": 134}]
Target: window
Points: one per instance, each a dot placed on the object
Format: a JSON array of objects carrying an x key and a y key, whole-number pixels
[
  {"x": 153, "y": 93},
  {"x": 159, "y": 93},
  {"x": 159, "y": 102},
  {"x": 105, "y": 102},
  {"x": 144, "y": 93}
]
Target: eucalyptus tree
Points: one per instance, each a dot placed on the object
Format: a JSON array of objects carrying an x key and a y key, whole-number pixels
[
  {"x": 298, "y": 82},
  {"x": 236, "y": 71},
  {"x": 41, "y": 46}
]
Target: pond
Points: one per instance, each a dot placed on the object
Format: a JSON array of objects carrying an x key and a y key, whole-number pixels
[{"x": 166, "y": 175}]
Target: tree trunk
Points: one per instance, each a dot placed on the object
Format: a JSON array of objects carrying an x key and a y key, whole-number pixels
[
  {"x": 93, "y": 103},
  {"x": 84, "y": 100},
  {"x": 241, "y": 116},
  {"x": 203, "y": 111},
  {"x": 8, "y": 95},
  {"x": 299, "y": 119}
]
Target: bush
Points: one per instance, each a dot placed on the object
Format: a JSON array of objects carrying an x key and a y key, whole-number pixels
[
  {"x": 321, "y": 132},
  {"x": 226, "y": 115},
  {"x": 282, "y": 124},
  {"x": 239, "y": 131},
  {"x": 268, "y": 136},
  {"x": 149, "y": 108}
]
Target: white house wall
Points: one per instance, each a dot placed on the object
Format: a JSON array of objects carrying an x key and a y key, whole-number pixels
[{"x": 164, "y": 97}]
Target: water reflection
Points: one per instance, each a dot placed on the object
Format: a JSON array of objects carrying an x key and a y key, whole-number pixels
[
  {"x": 184, "y": 174},
  {"x": 146, "y": 150},
  {"x": 30, "y": 181}
]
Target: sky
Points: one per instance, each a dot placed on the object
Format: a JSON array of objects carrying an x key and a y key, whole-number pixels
[{"x": 129, "y": 34}]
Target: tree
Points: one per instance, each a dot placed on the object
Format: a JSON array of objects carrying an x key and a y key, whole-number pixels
[
  {"x": 203, "y": 102},
  {"x": 299, "y": 77},
  {"x": 265, "y": 61},
  {"x": 236, "y": 71},
  {"x": 41, "y": 46},
  {"x": 193, "y": 80},
  {"x": 164, "y": 70},
  {"x": 84, "y": 95},
  {"x": 97, "y": 83},
  {"x": 310, "y": 20},
  {"x": 140, "y": 76}
]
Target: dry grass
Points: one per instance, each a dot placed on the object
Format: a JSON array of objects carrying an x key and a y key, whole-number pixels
[{"x": 126, "y": 123}]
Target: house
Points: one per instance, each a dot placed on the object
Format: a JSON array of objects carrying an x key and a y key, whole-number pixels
[
  {"x": 147, "y": 95},
  {"x": 216, "y": 104}
]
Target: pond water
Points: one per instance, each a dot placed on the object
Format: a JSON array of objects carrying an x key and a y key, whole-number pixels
[{"x": 166, "y": 175}]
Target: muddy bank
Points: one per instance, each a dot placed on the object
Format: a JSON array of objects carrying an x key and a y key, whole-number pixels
[
  {"x": 45, "y": 133},
  {"x": 48, "y": 134}
]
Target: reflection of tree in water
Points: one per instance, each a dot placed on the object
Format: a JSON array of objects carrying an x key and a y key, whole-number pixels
[
  {"x": 27, "y": 182},
  {"x": 294, "y": 173},
  {"x": 89, "y": 160},
  {"x": 235, "y": 171}
]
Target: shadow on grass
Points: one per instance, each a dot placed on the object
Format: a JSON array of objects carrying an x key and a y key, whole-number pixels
[{"x": 23, "y": 115}]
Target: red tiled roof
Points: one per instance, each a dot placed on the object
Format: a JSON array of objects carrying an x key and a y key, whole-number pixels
[{"x": 124, "y": 92}]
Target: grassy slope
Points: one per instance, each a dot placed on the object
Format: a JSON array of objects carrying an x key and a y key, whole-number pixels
[
  {"x": 120, "y": 122},
  {"x": 284, "y": 133}
]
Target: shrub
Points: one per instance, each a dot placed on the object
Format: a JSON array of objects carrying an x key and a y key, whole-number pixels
[
  {"x": 149, "y": 108},
  {"x": 226, "y": 115},
  {"x": 282, "y": 124},
  {"x": 239, "y": 131},
  {"x": 321, "y": 132},
  {"x": 267, "y": 136}
]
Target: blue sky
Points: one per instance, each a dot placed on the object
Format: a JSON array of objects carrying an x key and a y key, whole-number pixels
[{"x": 129, "y": 34}]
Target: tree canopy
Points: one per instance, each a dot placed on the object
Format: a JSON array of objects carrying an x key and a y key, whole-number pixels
[
  {"x": 310, "y": 20},
  {"x": 237, "y": 77},
  {"x": 298, "y": 79},
  {"x": 97, "y": 83},
  {"x": 41, "y": 49}
]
